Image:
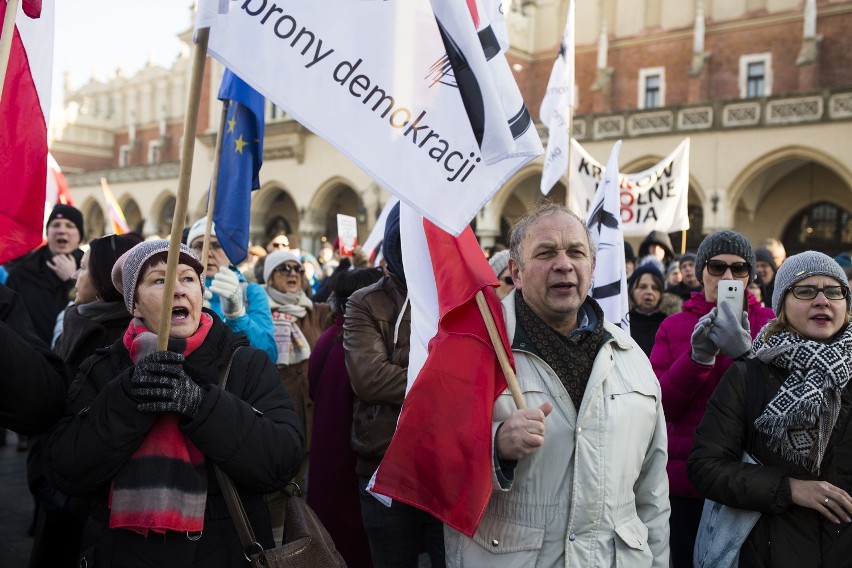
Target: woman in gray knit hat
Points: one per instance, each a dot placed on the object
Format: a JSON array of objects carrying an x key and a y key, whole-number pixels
[
  {"x": 691, "y": 352},
  {"x": 143, "y": 429},
  {"x": 801, "y": 436}
]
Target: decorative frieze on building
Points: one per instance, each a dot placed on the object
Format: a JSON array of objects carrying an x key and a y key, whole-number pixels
[
  {"x": 650, "y": 123},
  {"x": 741, "y": 114},
  {"x": 792, "y": 111}
]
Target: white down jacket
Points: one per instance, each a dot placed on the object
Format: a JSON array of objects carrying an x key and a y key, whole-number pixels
[{"x": 596, "y": 493}]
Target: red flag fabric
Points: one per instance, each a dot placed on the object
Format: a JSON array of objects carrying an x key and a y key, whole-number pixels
[
  {"x": 32, "y": 8},
  {"x": 440, "y": 458},
  {"x": 23, "y": 156}
]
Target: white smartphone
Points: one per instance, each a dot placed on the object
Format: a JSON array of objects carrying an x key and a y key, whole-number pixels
[{"x": 731, "y": 292}]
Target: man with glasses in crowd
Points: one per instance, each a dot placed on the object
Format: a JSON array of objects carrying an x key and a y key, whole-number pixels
[{"x": 243, "y": 306}]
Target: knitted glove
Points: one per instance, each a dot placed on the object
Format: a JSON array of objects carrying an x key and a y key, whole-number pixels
[
  {"x": 704, "y": 351},
  {"x": 731, "y": 332},
  {"x": 227, "y": 285},
  {"x": 159, "y": 384}
]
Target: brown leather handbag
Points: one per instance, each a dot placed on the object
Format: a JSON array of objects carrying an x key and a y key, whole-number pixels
[{"x": 307, "y": 543}]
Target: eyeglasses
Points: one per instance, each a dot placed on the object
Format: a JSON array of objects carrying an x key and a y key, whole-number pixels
[
  {"x": 288, "y": 268},
  {"x": 198, "y": 247},
  {"x": 507, "y": 280},
  {"x": 810, "y": 292},
  {"x": 738, "y": 269}
]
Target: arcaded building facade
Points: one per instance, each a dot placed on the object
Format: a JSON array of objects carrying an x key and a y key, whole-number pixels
[{"x": 763, "y": 89}]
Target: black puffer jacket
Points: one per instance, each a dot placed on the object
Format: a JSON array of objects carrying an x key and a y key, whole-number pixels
[
  {"x": 786, "y": 535},
  {"x": 250, "y": 431},
  {"x": 82, "y": 334}
]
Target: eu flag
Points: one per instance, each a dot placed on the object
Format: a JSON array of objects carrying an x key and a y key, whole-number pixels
[{"x": 239, "y": 165}]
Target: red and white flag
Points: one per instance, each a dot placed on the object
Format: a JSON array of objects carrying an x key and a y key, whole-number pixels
[
  {"x": 440, "y": 457},
  {"x": 24, "y": 114}
]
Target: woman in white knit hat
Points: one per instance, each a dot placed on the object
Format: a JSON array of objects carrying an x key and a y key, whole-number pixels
[
  {"x": 797, "y": 418},
  {"x": 143, "y": 429}
]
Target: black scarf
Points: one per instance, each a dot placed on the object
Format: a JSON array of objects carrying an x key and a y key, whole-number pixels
[{"x": 572, "y": 357}]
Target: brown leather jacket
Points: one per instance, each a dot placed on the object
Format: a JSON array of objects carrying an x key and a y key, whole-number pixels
[{"x": 377, "y": 366}]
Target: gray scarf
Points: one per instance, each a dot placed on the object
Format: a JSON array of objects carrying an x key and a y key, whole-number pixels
[{"x": 800, "y": 418}]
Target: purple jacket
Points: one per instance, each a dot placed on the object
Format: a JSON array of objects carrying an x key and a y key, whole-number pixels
[{"x": 686, "y": 385}]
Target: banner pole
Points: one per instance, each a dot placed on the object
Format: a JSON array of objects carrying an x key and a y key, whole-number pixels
[
  {"x": 214, "y": 184},
  {"x": 497, "y": 343},
  {"x": 189, "y": 127},
  {"x": 6, "y": 40},
  {"x": 683, "y": 242}
]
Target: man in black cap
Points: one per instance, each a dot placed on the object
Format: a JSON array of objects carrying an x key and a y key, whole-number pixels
[
  {"x": 44, "y": 277},
  {"x": 690, "y": 282}
]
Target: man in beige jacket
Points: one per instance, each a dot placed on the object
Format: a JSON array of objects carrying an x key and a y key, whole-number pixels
[{"x": 579, "y": 476}]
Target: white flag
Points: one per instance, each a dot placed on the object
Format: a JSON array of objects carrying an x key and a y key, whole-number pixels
[
  {"x": 556, "y": 106},
  {"x": 609, "y": 283},
  {"x": 376, "y": 80},
  {"x": 651, "y": 200}
]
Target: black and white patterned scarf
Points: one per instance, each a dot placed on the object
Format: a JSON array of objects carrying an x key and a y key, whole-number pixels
[{"x": 800, "y": 418}]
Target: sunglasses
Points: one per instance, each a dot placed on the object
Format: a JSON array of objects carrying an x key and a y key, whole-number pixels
[
  {"x": 507, "y": 280},
  {"x": 719, "y": 267},
  {"x": 810, "y": 292},
  {"x": 288, "y": 268}
]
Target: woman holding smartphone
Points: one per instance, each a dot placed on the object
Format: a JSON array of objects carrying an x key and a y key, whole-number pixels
[
  {"x": 692, "y": 351},
  {"x": 801, "y": 437}
]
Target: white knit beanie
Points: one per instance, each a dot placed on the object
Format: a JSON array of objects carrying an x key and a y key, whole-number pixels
[
  {"x": 125, "y": 273},
  {"x": 197, "y": 230},
  {"x": 499, "y": 261},
  {"x": 276, "y": 258}
]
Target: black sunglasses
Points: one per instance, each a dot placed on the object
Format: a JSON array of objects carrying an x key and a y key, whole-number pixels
[
  {"x": 738, "y": 269},
  {"x": 288, "y": 268},
  {"x": 507, "y": 280}
]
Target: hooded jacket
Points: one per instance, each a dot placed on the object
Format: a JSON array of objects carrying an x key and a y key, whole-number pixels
[
  {"x": 657, "y": 238},
  {"x": 687, "y": 385}
]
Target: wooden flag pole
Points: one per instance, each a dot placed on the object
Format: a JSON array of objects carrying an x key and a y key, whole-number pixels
[
  {"x": 6, "y": 40},
  {"x": 214, "y": 184},
  {"x": 494, "y": 335},
  {"x": 189, "y": 127},
  {"x": 683, "y": 242}
]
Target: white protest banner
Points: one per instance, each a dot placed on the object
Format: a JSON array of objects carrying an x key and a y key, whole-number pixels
[
  {"x": 376, "y": 80},
  {"x": 347, "y": 232},
  {"x": 652, "y": 200}
]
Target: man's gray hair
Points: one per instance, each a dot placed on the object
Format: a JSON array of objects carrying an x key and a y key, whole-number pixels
[{"x": 519, "y": 231}]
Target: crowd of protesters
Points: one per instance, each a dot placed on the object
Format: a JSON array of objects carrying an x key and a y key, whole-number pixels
[{"x": 625, "y": 436}]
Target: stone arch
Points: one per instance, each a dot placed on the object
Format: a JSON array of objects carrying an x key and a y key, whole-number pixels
[
  {"x": 94, "y": 220},
  {"x": 821, "y": 226},
  {"x": 517, "y": 197},
  {"x": 159, "y": 222},
  {"x": 274, "y": 210},
  {"x": 132, "y": 213},
  {"x": 779, "y": 185},
  {"x": 336, "y": 195}
]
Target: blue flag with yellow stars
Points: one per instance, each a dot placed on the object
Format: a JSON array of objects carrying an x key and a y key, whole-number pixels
[{"x": 239, "y": 165}]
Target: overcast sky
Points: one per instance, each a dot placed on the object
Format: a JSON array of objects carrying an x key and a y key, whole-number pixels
[{"x": 93, "y": 37}]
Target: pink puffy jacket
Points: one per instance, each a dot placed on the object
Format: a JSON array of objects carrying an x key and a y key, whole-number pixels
[{"x": 686, "y": 385}]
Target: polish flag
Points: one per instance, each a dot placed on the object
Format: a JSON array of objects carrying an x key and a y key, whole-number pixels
[
  {"x": 24, "y": 114},
  {"x": 440, "y": 457},
  {"x": 57, "y": 186}
]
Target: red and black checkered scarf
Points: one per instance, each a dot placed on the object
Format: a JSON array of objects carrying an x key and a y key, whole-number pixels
[{"x": 163, "y": 486}]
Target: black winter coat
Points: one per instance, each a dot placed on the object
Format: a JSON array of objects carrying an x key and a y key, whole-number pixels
[
  {"x": 249, "y": 430},
  {"x": 32, "y": 378},
  {"x": 786, "y": 535},
  {"x": 43, "y": 293}
]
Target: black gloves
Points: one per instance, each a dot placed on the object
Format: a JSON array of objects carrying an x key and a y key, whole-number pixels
[{"x": 159, "y": 384}]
